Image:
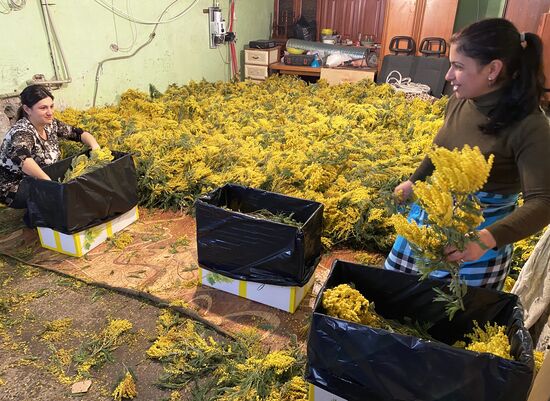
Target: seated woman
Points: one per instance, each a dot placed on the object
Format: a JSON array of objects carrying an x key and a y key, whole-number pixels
[{"x": 32, "y": 143}]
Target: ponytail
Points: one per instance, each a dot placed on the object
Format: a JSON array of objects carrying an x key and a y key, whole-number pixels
[
  {"x": 532, "y": 64},
  {"x": 523, "y": 93},
  {"x": 20, "y": 113},
  {"x": 522, "y": 76}
]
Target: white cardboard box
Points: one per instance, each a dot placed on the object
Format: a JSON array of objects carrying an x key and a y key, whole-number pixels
[
  {"x": 539, "y": 392},
  {"x": 318, "y": 394},
  {"x": 80, "y": 243},
  {"x": 280, "y": 297},
  {"x": 541, "y": 385}
]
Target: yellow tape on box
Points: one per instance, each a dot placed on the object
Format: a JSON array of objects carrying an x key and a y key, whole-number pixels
[
  {"x": 80, "y": 243},
  {"x": 318, "y": 394},
  {"x": 284, "y": 298}
]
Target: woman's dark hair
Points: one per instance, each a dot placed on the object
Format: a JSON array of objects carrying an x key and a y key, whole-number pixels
[
  {"x": 31, "y": 95},
  {"x": 522, "y": 75}
]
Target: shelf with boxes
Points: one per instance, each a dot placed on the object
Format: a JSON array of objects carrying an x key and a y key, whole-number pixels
[{"x": 257, "y": 62}]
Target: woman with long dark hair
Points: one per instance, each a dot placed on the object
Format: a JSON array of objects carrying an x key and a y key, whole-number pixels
[
  {"x": 497, "y": 81},
  {"x": 32, "y": 143}
]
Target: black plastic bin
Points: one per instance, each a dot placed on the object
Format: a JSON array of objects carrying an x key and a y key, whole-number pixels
[
  {"x": 361, "y": 363},
  {"x": 87, "y": 200},
  {"x": 243, "y": 247}
]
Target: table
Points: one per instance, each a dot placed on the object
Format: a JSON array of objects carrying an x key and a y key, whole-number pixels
[
  {"x": 296, "y": 69},
  {"x": 333, "y": 76}
]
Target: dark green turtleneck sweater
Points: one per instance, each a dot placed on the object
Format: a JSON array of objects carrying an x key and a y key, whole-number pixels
[{"x": 522, "y": 161}]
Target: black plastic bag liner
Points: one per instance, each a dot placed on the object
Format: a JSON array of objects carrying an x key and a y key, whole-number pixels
[
  {"x": 243, "y": 247},
  {"x": 85, "y": 201},
  {"x": 360, "y": 363}
]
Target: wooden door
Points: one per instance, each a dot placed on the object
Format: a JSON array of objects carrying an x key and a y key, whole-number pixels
[
  {"x": 526, "y": 14},
  {"x": 399, "y": 20},
  {"x": 438, "y": 19},
  {"x": 533, "y": 17},
  {"x": 352, "y": 17},
  {"x": 419, "y": 19}
]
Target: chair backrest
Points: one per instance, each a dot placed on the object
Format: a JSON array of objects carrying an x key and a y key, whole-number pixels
[
  {"x": 433, "y": 65},
  {"x": 404, "y": 64},
  {"x": 396, "y": 42},
  {"x": 433, "y": 46},
  {"x": 429, "y": 69},
  {"x": 402, "y": 60}
]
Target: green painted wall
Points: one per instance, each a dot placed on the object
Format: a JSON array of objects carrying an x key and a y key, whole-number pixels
[
  {"x": 474, "y": 10},
  {"x": 178, "y": 53}
]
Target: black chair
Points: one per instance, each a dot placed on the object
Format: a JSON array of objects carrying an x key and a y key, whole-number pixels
[
  {"x": 429, "y": 69},
  {"x": 402, "y": 59},
  {"x": 432, "y": 66}
]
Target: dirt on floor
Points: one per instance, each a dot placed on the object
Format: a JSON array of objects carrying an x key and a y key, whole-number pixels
[
  {"x": 31, "y": 365},
  {"x": 159, "y": 263}
]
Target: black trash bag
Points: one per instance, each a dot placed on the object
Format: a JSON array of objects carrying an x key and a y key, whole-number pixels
[
  {"x": 360, "y": 363},
  {"x": 85, "y": 201},
  {"x": 243, "y": 247},
  {"x": 304, "y": 30}
]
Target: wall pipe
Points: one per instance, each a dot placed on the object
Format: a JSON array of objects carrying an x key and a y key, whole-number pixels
[
  {"x": 52, "y": 40},
  {"x": 46, "y": 83},
  {"x": 100, "y": 64},
  {"x": 49, "y": 38},
  {"x": 66, "y": 71},
  {"x": 8, "y": 95},
  {"x": 48, "y": 22}
]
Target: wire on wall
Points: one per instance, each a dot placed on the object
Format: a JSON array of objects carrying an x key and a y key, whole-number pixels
[
  {"x": 133, "y": 30},
  {"x": 149, "y": 40},
  {"x": 128, "y": 17},
  {"x": 12, "y": 5}
]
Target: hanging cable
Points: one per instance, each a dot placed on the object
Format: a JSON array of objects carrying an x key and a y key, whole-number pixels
[
  {"x": 121, "y": 14},
  {"x": 226, "y": 62},
  {"x": 149, "y": 40},
  {"x": 405, "y": 84},
  {"x": 115, "y": 46},
  {"x": 13, "y": 5}
]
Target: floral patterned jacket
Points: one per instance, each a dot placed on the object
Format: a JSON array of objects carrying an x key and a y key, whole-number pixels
[{"x": 23, "y": 141}]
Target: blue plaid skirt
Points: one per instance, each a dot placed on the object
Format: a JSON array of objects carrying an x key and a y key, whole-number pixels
[{"x": 489, "y": 271}]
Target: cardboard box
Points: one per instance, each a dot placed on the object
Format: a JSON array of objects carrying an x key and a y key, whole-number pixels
[
  {"x": 284, "y": 298},
  {"x": 318, "y": 394},
  {"x": 234, "y": 242},
  {"x": 336, "y": 76},
  {"x": 85, "y": 201},
  {"x": 82, "y": 242},
  {"x": 358, "y": 362},
  {"x": 539, "y": 392},
  {"x": 541, "y": 386}
]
